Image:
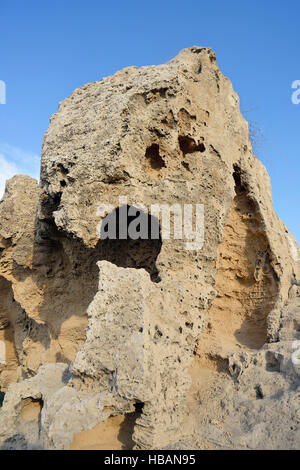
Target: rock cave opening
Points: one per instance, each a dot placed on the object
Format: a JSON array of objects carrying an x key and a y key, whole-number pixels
[
  {"x": 154, "y": 160},
  {"x": 116, "y": 433},
  {"x": 135, "y": 244},
  {"x": 31, "y": 409},
  {"x": 189, "y": 145}
]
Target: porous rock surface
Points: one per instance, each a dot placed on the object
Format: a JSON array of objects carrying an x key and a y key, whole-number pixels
[{"x": 197, "y": 343}]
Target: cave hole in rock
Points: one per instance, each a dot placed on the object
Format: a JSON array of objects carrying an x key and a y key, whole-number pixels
[
  {"x": 131, "y": 241},
  {"x": 139, "y": 407},
  {"x": 154, "y": 160},
  {"x": 116, "y": 433},
  {"x": 56, "y": 200},
  {"x": 66, "y": 271},
  {"x": 258, "y": 392},
  {"x": 63, "y": 169},
  {"x": 272, "y": 362},
  {"x": 186, "y": 165},
  {"x": 31, "y": 409},
  {"x": 189, "y": 145}
]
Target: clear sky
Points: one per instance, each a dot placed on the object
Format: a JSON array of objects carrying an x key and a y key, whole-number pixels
[{"x": 49, "y": 48}]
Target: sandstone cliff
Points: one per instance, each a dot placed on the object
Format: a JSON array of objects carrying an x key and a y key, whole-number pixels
[{"x": 178, "y": 347}]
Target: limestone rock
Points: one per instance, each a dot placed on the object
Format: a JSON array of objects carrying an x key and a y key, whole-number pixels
[
  {"x": 253, "y": 402},
  {"x": 166, "y": 328}
]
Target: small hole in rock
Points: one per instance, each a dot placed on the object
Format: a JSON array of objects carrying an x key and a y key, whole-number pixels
[
  {"x": 131, "y": 241},
  {"x": 186, "y": 165},
  {"x": 189, "y": 145},
  {"x": 154, "y": 161},
  {"x": 31, "y": 409},
  {"x": 139, "y": 407},
  {"x": 259, "y": 393}
]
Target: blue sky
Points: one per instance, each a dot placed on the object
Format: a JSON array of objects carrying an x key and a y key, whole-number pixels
[{"x": 50, "y": 48}]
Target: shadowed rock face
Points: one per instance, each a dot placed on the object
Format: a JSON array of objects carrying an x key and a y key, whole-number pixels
[{"x": 94, "y": 329}]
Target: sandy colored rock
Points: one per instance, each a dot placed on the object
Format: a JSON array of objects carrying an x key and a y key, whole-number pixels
[{"x": 188, "y": 339}]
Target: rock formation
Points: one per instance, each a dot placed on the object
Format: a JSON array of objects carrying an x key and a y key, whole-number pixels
[{"x": 188, "y": 348}]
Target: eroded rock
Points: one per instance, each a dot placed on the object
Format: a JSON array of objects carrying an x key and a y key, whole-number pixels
[{"x": 148, "y": 326}]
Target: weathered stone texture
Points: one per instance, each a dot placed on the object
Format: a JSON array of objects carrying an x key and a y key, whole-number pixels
[{"x": 191, "y": 340}]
